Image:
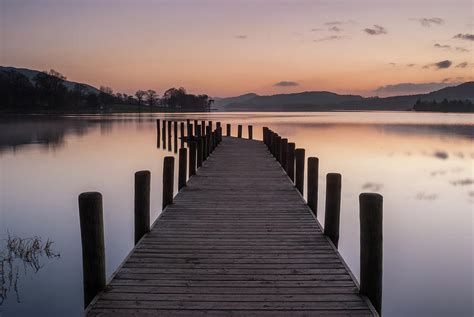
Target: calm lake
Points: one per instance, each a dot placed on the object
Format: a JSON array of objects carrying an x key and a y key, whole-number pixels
[{"x": 421, "y": 163}]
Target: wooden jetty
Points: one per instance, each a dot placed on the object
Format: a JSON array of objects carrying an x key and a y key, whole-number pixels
[{"x": 237, "y": 240}]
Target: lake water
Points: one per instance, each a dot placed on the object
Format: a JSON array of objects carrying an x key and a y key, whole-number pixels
[{"x": 421, "y": 163}]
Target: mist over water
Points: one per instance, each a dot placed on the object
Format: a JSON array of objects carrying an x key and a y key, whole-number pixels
[{"x": 421, "y": 163}]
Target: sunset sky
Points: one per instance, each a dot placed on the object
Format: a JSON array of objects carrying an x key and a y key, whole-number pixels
[{"x": 225, "y": 48}]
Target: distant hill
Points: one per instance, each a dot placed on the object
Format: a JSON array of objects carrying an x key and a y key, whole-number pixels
[
  {"x": 30, "y": 73},
  {"x": 328, "y": 101}
]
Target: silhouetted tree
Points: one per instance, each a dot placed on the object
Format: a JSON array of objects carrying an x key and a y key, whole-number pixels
[
  {"x": 140, "y": 94},
  {"x": 50, "y": 88},
  {"x": 151, "y": 97}
]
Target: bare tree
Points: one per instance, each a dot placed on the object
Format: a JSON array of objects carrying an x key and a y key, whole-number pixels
[
  {"x": 151, "y": 97},
  {"x": 140, "y": 94}
]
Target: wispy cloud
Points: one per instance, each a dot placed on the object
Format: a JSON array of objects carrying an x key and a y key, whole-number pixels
[
  {"x": 241, "y": 36},
  {"x": 467, "y": 37},
  {"x": 334, "y": 23},
  {"x": 317, "y": 30},
  {"x": 462, "y": 65},
  {"x": 462, "y": 49},
  {"x": 437, "y": 45},
  {"x": 439, "y": 65},
  {"x": 330, "y": 38},
  {"x": 427, "y": 22},
  {"x": 411, "y": 65},
  {"x": 376, "y": 30},
  {"x": 335, "y": 29},
  {"x": 413, "y": 88},
  {"x": 285, "y": 83}
]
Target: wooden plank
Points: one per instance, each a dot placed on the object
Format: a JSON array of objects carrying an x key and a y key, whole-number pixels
[{"x": 238, "y": 240}]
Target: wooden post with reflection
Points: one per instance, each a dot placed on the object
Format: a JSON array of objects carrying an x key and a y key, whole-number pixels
[
  {"x": 283, "y": 152},
  {"x": 175, "y": 135},
  {"x": 158, "y": 133},
  {"x": 93, "y": 248},
  {"x": 312, "y": 184},
  {"x": 142, "y": 204},
  {"x": 290, "y": 161},
  {"x": 169, "y": 135},
  {"x": 164, "y": 134},
  {"x": 371, "y": 247},
  {"x": 192, "y": 158},
  {"x": 181, "y": 128},
  {"x": 168, "y": 180},
  {"x": 182, "y": 167},
  {"x": 299, "y": 177},
  {"x": 333, "y": 207}
]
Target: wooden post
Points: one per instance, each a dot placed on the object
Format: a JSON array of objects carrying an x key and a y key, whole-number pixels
[
  {"x": 250, "y": 132},
  {"x": 142, "y": 204},
  {"x": 164, "y": 134},
  {"x": 175, "y": 134},
  {"x": 203, "y": 127},
  {"x": 371, "y": 247},
  {"x": 204, "y": 148},
  {"x": 182, "y": 167},
  {"x": 264, "y": 135},
  {"x": 283, "y": 152},
  {"x": 210, "y": 125},
  {"x": 312, "y": 185},
  {"x": 169, "y": 135},
  {"x": 158, "y": 132},
  {"x": 192, "y": 158},
  {"x": 218, "y": 125},
  {"x": 199, "y": 151},
  {"x": 208, "y": 141},
  {"x": 228, "y": 129},
  {"x": 181, "y": 128},
  {"x": 290, "y": 161},
  {"x": 299, "y": 158},
  {"x": 196, "y": 127},
  {"x": 278, "y": 148},
  {"x": 168, "y": 180},
  {"x": 273, "y": 144},
  {"x": 333, "y": 207},
  {"x": 239, "y": 131},
  {"x": 92, "y": 237}
]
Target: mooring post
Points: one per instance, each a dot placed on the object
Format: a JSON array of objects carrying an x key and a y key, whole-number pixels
[
  {"x": 299, "y": 158},
  {"x": 204, "y": 148},
  {"x": 250, "y": 132},
  {"x": 264, "y": 135},
  {"x": 164, "y": 134},
  {"x": 169, "y": 135},
  {"x": 278, "y": 148},
  {"x": 290, "y": 161},
  {"x": 210, "y": 124},
  {"x": 92, "y": 237},
  {"x": 175, "y": 135},
  {"x": 371, "y": 247},
  {"x": 158, "y": 133},
  {"x": 168, "y": 180},
  {"x": 142, "y": 204},
  {"x": 196, "y": 127},
  {"x": 200, "y": 158},
  {"x": 273, "y": 144},
  {"x": 213, "y": 141},
  {"x": 228, "y": 129},
  {"x": 312, "y": 184},
  {"x": 192, "y": 158},
  {"x": 181, "y": 128},
  {"x": 333, "y": 207},
  {"x": 208, "y": 141},
  {"x": 283, "y": 152},
  {"x": 239, "y": 131},
  {"x": 182, "y": 167},
  {"x": 203, "y": 127}
]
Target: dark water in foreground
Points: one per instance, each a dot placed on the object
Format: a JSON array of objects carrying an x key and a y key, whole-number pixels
[{"x": 421, "y": 163}]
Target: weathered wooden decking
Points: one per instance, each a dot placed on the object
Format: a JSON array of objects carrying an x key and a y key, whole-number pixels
[{"x": 238, "y": 241}]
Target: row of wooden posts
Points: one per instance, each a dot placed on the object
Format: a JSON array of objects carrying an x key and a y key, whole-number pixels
[
  {"x": 370, "y": 210},
  {"x": 193, "y": 130},
  {"x": 91, "y": 208}
]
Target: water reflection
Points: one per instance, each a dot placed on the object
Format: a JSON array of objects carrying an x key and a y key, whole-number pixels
[{"x": 21, "y": 255}]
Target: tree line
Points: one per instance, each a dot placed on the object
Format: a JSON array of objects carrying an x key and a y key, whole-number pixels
[
  {"x": 444, "y": 106},
  {"x": 47, "y": 91}
]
